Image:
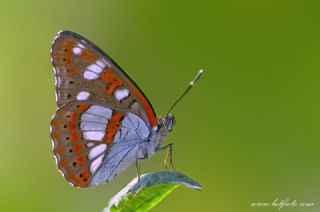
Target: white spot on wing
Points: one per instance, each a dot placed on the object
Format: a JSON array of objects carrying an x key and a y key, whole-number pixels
[
  {"x": 83, "y": 95},
  {"x": 76, "y": 50},
  {"x": 93, "y": 135},
  {"x": 87, "y": 117},
  {"x": 121, "y": 94},
  {"x": 90, "y": 144},
  {"x": 89, "y": 75},
  {"x": 94, "y": 121},
  {"x": 95, "y": 164},
  {"x": 95, "y": 68},
  {"x": 101, "y": 111},
  {"x": 97, "y": 150},
  {"x": 80, "y": 46},
  {"x": 101, "y": 63},
  {"x": 92, "y": 126}
]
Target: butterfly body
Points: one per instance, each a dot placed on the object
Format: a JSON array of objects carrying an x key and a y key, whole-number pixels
[{"x": 103, "y": 122}]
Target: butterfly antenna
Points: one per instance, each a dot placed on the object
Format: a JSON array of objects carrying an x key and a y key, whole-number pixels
[{"x": 188, "y": 89}]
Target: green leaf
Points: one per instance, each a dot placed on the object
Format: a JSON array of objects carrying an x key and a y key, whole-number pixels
[{"x": 154, "y": 187}]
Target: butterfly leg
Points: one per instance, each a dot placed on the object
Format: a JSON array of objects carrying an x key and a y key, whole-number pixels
[
  {"x": 168, "y": 156},
  {"x": 138, "y": 171}
]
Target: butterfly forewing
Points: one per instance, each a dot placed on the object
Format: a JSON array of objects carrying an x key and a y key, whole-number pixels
[
  {"x": 84, "y": 72},
  {"x": 102, "y": 116}
]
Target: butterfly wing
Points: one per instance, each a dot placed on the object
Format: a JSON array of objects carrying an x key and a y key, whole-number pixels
[
  {"x": 85, "y": 72},
  {"x": 81, "y": 132},
  {"x": 102, "y": 117}
]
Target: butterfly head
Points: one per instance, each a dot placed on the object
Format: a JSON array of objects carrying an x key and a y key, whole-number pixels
[{"x": 167, "y": 122}]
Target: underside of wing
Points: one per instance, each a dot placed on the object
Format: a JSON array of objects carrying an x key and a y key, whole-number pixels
[
  {"x": 84, "y": 72},
  {"x": 93, "y": 143}
]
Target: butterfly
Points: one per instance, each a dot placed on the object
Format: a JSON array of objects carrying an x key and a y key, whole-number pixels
[{"x": 103, "y": 122}]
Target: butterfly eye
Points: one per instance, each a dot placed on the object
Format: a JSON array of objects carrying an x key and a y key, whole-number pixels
[
  {"x": 70, "y": 150},
  {"x": 74, "y": 164},
  {"x": 67, "y": 138},
  {"x": 71, "y": 82},
  {"x": 69, "y": 95}
]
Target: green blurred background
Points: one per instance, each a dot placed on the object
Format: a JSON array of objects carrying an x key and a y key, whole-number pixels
[{"x": 248, "y": 132}]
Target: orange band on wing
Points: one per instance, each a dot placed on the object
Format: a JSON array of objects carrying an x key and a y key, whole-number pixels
[
  {"x": 114, "y": 82},
  {"x": 150, "y": 113},
  {"x": 112, "y": 79},
  {"x": 113, "y": 126}
]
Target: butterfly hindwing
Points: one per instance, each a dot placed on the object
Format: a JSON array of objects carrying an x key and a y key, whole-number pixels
[{"x": 94, "y": 142}]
